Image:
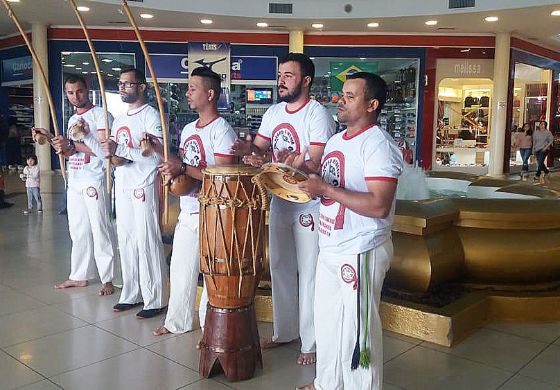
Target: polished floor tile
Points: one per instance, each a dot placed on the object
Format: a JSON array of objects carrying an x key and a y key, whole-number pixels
[
  {"x": 69, "y": 350},
  {"x": 14, "y": 302},
  {"x": 14, "y": 373},
  {"x": 393, "y": 347},
  {"x": 43, "y": 385},
  {"x": 33, "y": 324},
  {"x": 133, "y": 329},
  {"x": 497, "y": 349},
  {"x": 207, "y": 384},
  {"x": 425, "y": 369},
  {"x": 545, "y": 367},
  {"x": 519, "y": 382},
  {"x": 93, "y": 308},
  {"x": 546, "y": 332},
  {"x": 180, "y": 348},
  {"x": 48, "y": 294},
  {"x": 138, "y": 370}
]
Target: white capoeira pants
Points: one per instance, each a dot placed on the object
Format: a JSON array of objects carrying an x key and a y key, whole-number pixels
[
  {"x": 143, "y": 266},
  {"x": 336, "y": 316},
  {"x": 293, "y": 243},
  {"x": 92, "y": 233},
  {"x": 185, "y": 268}
]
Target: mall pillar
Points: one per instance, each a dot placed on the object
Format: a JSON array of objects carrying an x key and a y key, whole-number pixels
[
  {"x": 296, "y": 41},
  {"x": 41, "y": 111},
  {"x": 498, "y": 120}
]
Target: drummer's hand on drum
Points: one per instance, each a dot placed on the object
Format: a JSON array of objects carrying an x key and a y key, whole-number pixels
[
  {"x": 255, "y": 160},
  {"x": 242, "y": 147},
  {"x": 293, "y": 159},
  {"x": 314, "y": 186},
  {"x": 171, "y": 168},
  {"x": 109, "y": 147}
]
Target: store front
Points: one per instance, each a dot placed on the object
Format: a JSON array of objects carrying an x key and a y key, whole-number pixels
[
  {"x": 400, "y": 68},
  {"x": 534, "y": 99},
  {"x": 462, "y": 129}
]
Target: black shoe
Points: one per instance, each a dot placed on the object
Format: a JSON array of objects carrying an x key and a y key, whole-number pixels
[
  {"x": 125, "y": 306},
  {"x": 149, "y": 313}
]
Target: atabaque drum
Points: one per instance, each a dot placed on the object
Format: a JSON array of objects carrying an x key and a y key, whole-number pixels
[
  {"x": 232, "y": 222},
  {"x": 282, "y": 180}
]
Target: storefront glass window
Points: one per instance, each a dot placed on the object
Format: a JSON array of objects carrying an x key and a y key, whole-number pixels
[
  {"x": 82, "y": 64},
  {"x": 531, "y": 97},
  {"x": 463, "y": 126},
  {"x": 399, "y": 117}
]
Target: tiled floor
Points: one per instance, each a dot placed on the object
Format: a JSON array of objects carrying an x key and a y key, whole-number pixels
[{"x": 71, "y": 339}]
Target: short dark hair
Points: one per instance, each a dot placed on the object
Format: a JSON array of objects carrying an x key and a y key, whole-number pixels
[
  {"x": 75, "y": 78},
  {"x": 32, "y": 157},
  {"x": 305, "y": 64},
  {"x": 138, "y": 74},
  {"x": 376, "y": 87},
  {"x": 545, "y": 123},
  {"x": 211, "y": 79}
]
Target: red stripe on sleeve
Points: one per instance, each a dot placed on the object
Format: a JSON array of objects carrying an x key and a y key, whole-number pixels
[
  {"x": 262, "y": 136},
  {"x": 223, "y": 155},
  {"x": 317, "y": 143},
  {"x": 381, "y": 178}
]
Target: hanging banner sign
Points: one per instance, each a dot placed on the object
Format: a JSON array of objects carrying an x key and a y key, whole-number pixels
[
  {"x": 169, "y": 66},
  {"x": 17, "y": 70},
  {"x": 212, "y": 55},
  {"x": 254, "y": 68}
]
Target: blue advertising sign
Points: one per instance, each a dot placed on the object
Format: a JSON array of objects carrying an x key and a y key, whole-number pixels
[
  {"x": 169, "y": 66},
  {"x": 17, "y": 70},
  {"x": 254, "y": 68}
]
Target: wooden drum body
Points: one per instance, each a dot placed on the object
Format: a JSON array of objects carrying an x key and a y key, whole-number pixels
[{"x": 232, "y": 227}]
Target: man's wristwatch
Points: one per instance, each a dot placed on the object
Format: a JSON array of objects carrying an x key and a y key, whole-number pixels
[{"x": 71, "y": 145}]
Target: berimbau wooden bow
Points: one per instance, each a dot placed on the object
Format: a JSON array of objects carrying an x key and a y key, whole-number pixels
[
  {"x": 101, "y": 87},
  {"x": 159, "y": 102},
  {"x": 44, "y": 80}
]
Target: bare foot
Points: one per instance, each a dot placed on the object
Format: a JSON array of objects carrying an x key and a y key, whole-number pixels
[
  {"x": 160, "y": 331},
  {"x": 306, "y": 358},
  {"x": 268, "y": 343},
  {"x": 106, "y": 289},
  {"x": 310, "y": 386},
  {"x": 71, "y": 283}
]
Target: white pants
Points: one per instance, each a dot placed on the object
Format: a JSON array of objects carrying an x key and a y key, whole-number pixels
[
  {"x": 92, "y": 233},
  {"x": 185, "y": 268},
  {"x": 293, "y": 259},
  {"x": 335, "y": 314},
  {"x": 140, "y": 246}
]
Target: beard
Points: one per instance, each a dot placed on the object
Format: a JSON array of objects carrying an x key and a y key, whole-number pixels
[
  {"x": 130, "y": 97},
  {"x": 291, "y": 96}
]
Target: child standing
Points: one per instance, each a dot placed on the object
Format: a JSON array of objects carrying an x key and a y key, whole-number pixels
[{"x": 31, "y": 175}]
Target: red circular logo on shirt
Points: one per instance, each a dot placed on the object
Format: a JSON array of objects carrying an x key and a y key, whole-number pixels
[
  {"x": 91, "y": 192},
  {"x": 193, "y": 151},
  {"x": 124, "y": 137},
  {"x": 284, "y": 137},
  {"x": 332, "y": 171},
  {"x": 348, "y": 274},
  {"x": 306, "y": 220}
]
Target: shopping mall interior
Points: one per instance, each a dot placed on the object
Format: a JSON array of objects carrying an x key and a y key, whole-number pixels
[{"x": 472, "y": 298}]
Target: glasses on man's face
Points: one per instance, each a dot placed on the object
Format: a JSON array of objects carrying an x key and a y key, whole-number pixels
[{"x": 126, "y": 84}]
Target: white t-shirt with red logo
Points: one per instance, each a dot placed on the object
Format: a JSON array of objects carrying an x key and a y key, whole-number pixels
[
  {"x": 83, "y": 169},
  {"x": 310, "y": 125},
  {"x": 349, "y": 162},
  {"x": 200, "y": 147},
  {"x": 128, "y": 129}
]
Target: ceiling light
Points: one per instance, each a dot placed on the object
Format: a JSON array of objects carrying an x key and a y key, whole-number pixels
[
  {"x": 206, "y": 21},
  {"x": 69, "y": 65},
  {"x": 84, "y": 72},
  {"x": 373, "y": 24},
  {"x": 262, "y": 24},
  {"x": 107, "y": 60},
  {"x": 85, "y": 63},
  {"x": 556, "y": 12},
  {"x": 491, "y": 18},
  {"x": 78, "y": 68},
  {"x": 465, "y": 50},
  {"x": 431, "y": 22},
  {"x": 116, "y": 69},
  {"x": 110, "y": 74},
  {"x": 92, "y": 73},
  {"x": 146, "y": 16},
  {"x": 13, "y": 1},
  {"x": 81, "y": 8},
  {"x": 317, "y": 25}
]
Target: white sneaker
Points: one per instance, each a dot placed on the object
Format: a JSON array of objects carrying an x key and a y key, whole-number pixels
[
  {"x": 40, "y": 211},
  {"x": 26, "y": 212}
]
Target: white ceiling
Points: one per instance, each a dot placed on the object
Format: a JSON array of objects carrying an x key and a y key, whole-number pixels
[{"x": 532, "y": 23}]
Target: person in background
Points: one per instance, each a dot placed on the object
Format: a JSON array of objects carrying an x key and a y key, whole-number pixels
[
  {"x": 524, "y": 141},
  {"x": 13, "y": 147},
  {"x": 31, "y": 176},
  {"x": 542, "y": 140}
]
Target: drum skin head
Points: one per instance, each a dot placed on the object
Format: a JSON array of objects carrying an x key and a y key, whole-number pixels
[
  {"x": 282, "y": 180},
  {"x": 242, "y": 170}
]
